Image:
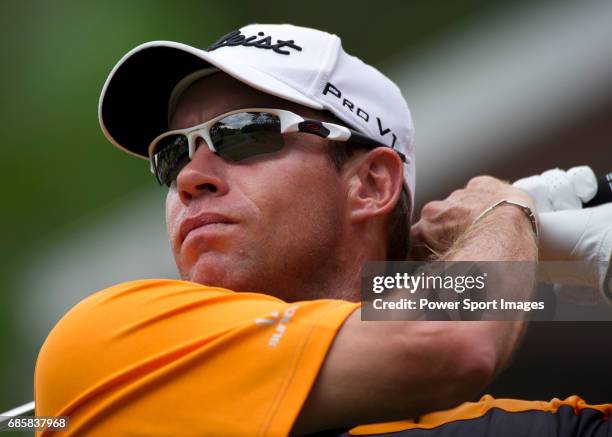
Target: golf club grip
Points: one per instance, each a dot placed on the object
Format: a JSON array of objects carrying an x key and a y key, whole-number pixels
[{"x": 604, "y": 191}]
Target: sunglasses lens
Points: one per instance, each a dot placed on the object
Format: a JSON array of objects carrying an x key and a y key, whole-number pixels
[
  {"x": 240, "y": 136},
  {"x": 170, "y": 156}
]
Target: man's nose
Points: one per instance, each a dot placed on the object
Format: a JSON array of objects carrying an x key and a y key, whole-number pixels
[{"x": 203, "y": 175}]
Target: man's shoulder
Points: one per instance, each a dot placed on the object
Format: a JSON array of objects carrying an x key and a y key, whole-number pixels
[
  {"x": 156, "y": 344},
  {"x": 137, "y": 311}
]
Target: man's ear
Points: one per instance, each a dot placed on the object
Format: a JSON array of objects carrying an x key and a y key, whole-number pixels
[{"x": 374, "y": 181}]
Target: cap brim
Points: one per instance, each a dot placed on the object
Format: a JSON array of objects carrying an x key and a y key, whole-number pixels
[{"x": 133, "y": 107}]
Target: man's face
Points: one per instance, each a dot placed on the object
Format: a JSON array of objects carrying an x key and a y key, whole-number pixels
[{"x": 272, "y": 223}]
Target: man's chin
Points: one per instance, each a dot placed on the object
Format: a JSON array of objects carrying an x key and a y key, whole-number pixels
[
  {"x": 242, "y": 273},
  {"x": 247, "y": 280},
  {"x": 219, "y": 272}
]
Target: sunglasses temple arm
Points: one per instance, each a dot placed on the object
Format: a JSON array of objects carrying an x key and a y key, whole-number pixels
[
  {"x": 362, "y": 140},
  {"x": 336, "y": 132}
]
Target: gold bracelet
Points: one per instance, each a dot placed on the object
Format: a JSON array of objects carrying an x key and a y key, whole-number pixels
[{"x": 528, "y": 212}]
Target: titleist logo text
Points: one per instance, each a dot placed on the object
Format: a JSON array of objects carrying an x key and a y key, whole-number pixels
[{"x": 236, "y": 38}]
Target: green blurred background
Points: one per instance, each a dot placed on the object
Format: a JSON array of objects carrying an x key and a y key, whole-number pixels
[{"x": 62, "y": 179}]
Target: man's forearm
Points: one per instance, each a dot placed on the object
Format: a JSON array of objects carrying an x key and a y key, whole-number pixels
[{"x": 505, "y": 234}]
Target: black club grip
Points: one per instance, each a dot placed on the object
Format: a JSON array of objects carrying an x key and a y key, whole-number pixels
[{"x": 604, "y": 191}]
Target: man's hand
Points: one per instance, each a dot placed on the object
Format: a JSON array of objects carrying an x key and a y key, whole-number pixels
[{"x": 443, "y": 221}]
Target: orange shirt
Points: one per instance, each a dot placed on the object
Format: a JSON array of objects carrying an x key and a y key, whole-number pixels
[
  {"x": 175, "y": 358},
  {"x": 166, "y": 357}
]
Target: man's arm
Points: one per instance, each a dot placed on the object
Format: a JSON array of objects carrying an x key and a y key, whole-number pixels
[{"x": 381, "y": 371}]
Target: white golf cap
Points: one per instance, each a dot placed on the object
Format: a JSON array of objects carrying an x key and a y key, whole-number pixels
[{"x": 302, "y": 65}]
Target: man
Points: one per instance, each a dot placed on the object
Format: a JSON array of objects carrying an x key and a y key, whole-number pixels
[{"x": 289, "y": 163}]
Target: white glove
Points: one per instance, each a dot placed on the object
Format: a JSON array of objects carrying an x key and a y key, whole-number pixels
[
  {"x": 583, "y": 236},
  {"x": 558, "y": 190},
  {"x": 568, "y": 233}
]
